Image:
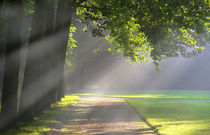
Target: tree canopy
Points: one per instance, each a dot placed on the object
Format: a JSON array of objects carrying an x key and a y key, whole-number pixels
[{"x": 144, "y": 30}]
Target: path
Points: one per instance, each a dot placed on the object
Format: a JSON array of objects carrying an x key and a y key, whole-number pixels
[{"x": 102, "y": 116}]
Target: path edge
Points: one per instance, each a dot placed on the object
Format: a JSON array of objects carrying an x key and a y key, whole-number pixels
[{"x": 141, "y": 117}]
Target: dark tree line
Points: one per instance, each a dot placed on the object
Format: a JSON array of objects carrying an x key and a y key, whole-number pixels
[
  {"x": 137, "y": 29},
  {"x": 12, "y": 62},
  {"x": 45, "y": 58}
]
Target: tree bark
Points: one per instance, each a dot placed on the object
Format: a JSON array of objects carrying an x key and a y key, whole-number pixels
[
  {"x": 2, "y": 45},
  {"x": 48, "y": 62},
  {"x": 12, "y": 64},
  {"x": 64, "y": 16},
  {"x": 32, "y": 89},
  {"x": 36, "y": 67}
]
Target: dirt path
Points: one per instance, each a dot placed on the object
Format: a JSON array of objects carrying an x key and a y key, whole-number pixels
[{"x": 102, "y": 116}]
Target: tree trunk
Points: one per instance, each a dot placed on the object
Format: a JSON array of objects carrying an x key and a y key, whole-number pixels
[
  {"x": 48, "y": 61},
  {"x": 64, "y": 16},
  {"x": 2, "y": 45},
  {"x": 12, "y": 64},
  {"x": 32, "y": 89},
  {"x": 64, "y": 81}
]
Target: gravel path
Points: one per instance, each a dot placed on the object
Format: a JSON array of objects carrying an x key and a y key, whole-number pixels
[{"x": 102, "y": 116}]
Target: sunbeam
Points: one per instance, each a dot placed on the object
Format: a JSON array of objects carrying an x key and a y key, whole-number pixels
[{"x": 104, "y": 67}]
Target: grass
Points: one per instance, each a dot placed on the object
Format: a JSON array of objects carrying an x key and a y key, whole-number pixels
[
  {"x": 175, "y": 117},
  {"x": 159, "y": 94},
  {"x": 170, "y": 117},
  {"x": 45, "y": 122}
]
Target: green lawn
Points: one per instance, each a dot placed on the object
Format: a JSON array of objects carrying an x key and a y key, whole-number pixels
[
  {"x": 175, "y": 117},
  {"x": 45, "y": 122},
  {"x": 175, "y": 94},
  {"x": 170, "y": 117}
]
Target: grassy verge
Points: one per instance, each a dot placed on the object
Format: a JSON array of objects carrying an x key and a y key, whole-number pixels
[
  {"x": 45, "y": 122},
  {"x": 159, "y": 94},
  {"x": 175, "y": 117}
]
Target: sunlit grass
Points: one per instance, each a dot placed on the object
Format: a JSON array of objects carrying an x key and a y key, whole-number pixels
[
  {"x": 175, "y": 117},
  {"x": 44, "y": 123},
  {"x": 165, "y": 94}
]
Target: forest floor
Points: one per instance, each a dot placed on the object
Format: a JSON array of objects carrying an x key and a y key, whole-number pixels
[{"x": 102, "y": 116}]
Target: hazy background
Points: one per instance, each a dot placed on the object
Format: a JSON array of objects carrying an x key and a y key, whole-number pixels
[{"x": 104, "y": 72}]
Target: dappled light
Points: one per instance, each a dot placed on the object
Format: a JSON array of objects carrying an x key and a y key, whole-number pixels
[{"x": 104, "y": 67}]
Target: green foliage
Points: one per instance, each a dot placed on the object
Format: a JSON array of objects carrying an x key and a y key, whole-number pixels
[
  {"x": 129, "y": 41},
  {"x": 175, "y": 117},
  {"x": 29, "y": 6},
  {"x": 141, "y": 30},
  {"x": 96, "y": 50},
  {"x": 71, "y": 45}
]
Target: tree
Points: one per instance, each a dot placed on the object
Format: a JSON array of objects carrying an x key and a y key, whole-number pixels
[
  {"x": 2, "y": 44},
  {"x": 155, "y": 29},
  {"x": 48, "y": 60},
  {"x": 64, "y": 20},
  {"x": 12, "y": 64},
  {"x": 32, "y": 76}
]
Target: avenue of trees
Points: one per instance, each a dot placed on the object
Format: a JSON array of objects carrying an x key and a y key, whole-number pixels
[{"x": 140, "y": 30}]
